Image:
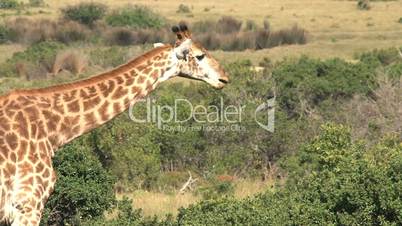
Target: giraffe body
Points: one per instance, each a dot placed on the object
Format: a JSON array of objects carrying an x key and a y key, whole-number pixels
[{"x": 35, "y": 123}]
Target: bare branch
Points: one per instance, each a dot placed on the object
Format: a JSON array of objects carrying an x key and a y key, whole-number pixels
[{"x": 188, "y": 184}]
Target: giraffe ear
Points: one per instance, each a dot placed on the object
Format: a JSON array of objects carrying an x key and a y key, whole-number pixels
[{"x": 175, "y": 29}]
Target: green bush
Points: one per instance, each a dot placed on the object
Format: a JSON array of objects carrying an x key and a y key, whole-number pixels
[
  {"x": 135, "y": 17},
  {"x": 9, "y": 4},
  {"x": 109, "y": 57},
  {"x": 126, "y": 216},
  {"x": 315, "y": 81},
  {"x": 83, "y": 189},
  {"x": 38, "y": 55},
  {"x": 5, "y": 34},
  {"x": 383, "y": 57},
  {"x": 389, "y": 59},
  {"x": 85, "y": 13},
  {"x": 216, "y": 189},
  {"x": 395, "y": 71},
  {"x": 128, "y": 151},
  {"x": 332, "y": 181},
  {"x": 400, "y": 20}
]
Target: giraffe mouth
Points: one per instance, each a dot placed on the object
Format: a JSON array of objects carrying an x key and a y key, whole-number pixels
[
  {"x": 222, "y": 82},
  {"x": 189, "y": 77}
]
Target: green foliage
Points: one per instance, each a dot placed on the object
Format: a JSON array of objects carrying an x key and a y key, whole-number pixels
[
  {"x": 5, "y": 34},
  {"x": 128, "y": 150},
  {"x": 85, "y": 13},
  {"x": 135, "y": 17},
  {"x": 217, "y": 189},
  {"x": 83, "y": 188},
  {"x": 39, "y": 55},
  {"x": 333, "y": 181},
  {"x": 390, "y": 59},
  {"x": 315, "y": 81},
  {"x": 395, "y": 71},
  {"x": 382, "y": 57},
  {"x": 126, "y": 216},
  {"x": 400, "y": 20},
  {"x": 9, "y": 4},
  {"x": 109, "y": 57},
  {"x": 224, "y": 212}
]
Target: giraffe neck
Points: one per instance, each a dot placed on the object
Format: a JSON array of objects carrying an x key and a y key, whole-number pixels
[{"x": 70, "y": 110}]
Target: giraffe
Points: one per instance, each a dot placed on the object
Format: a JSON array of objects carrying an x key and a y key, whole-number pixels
[{"x": 35, "y": 123}]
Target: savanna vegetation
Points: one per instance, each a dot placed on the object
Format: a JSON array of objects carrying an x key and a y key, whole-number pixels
[{"x": 335, "y": 157}]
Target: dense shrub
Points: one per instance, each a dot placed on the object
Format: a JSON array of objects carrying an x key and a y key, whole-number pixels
[
  {"x": 382, "y": 57},
  {"x": 83, "y": 189},
  {"x": 314, "y": 81},
  {"x": 70, "y": 31},
  {"x": 121, "y": 36},
  {"x": 126, "y": 216},
  {"x": 109, "y": 57},
  {"x": 134, "y": 162},
  {"x": 390, "y": 59},
  {"x": 25, "y": 30},
  {"x": 135, "y": 17},
  {"x": 9, "y": 4},
  {"x": 268, "y": 39},
  {"x": 85, "y": 13},
  {"x": 333, "y": 181},
  {"x": 217, "y": 189},
  {"x": 5, "y": 34},
  {"x": 31, "y": 31},
  {"x": 228, "y": 24},
  {"x": 40, "y": 56}
]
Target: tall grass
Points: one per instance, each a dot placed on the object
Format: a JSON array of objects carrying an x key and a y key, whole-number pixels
[
  {"x": 160, "y": 204},
  {"x": 226, "y": 33}
]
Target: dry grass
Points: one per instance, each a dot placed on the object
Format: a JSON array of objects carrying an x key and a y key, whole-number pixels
[
  {"x": 345, "y": 49},
  {"x": 280, "y": 13},
  {"x": 160, "y": 204},
  {"x": 72, "y": 61},
  {"x": 8, "y": 50},
  {"x": 336, "y": 28}
]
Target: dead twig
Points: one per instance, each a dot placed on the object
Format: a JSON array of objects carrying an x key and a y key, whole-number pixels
[{"x": 188, "y": 184}]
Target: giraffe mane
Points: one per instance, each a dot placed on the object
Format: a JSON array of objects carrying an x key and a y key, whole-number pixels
[{"x": 105, "y": 75}]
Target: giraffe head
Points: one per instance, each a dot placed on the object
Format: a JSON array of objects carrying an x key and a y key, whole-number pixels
[{"x": 193, "y": 61}]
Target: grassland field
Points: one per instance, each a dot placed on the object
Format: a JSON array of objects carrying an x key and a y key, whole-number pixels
[{"x": 335, "y": 29}]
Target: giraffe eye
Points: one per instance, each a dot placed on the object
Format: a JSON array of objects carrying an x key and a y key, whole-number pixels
[{"x": 200, "y": 57}]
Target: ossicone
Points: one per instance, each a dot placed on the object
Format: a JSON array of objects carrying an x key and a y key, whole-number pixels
[{"x": 183, "y": 27}]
